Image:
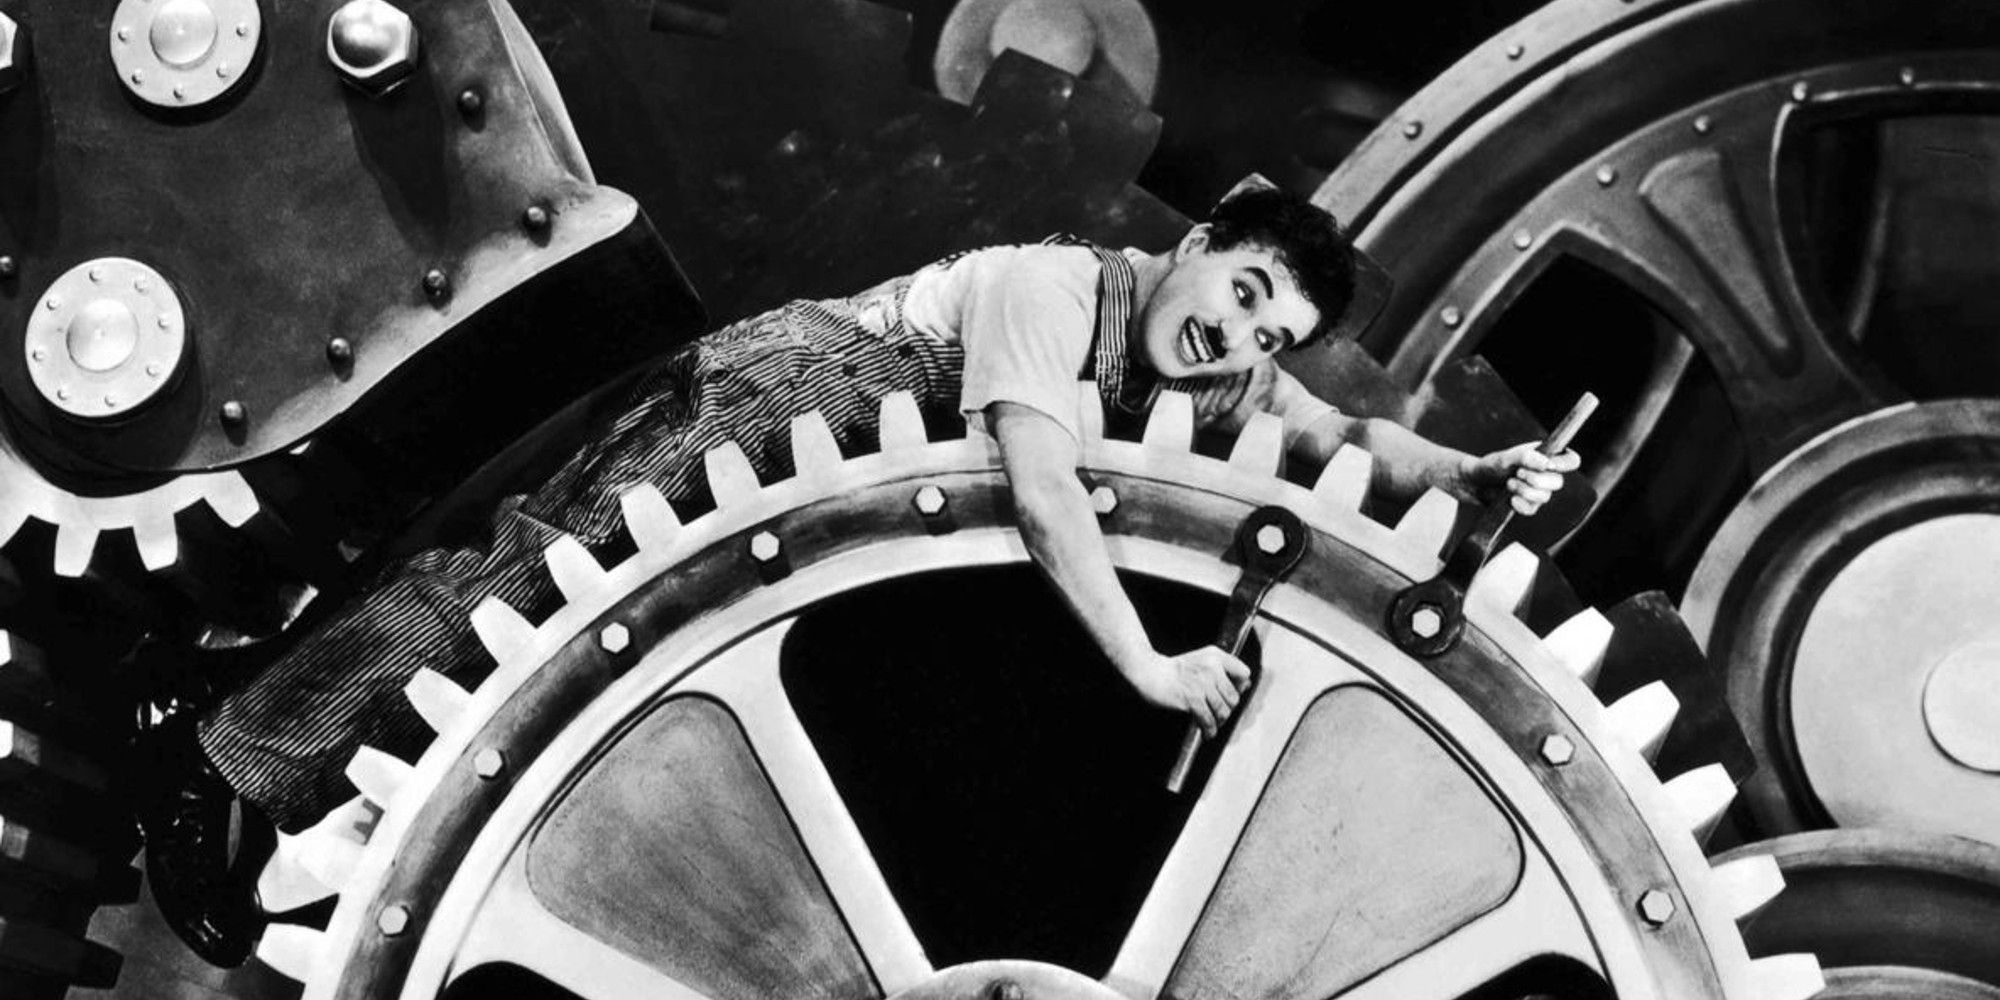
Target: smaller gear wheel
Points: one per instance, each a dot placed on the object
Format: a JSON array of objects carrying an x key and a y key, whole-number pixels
[{"x": 1486, "y": 798}]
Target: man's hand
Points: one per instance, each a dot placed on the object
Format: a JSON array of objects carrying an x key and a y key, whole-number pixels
[
  {"x": 1529, "y": 476},
  {"x": 1206, "y": 683}
]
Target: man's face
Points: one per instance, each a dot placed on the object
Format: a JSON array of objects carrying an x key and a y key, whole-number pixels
[{"x": 1218, "y": 312}]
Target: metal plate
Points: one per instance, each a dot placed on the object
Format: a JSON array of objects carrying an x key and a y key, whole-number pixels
[
  {"x": 184, "y": 53},
  {"x": 107, "y": 337}
]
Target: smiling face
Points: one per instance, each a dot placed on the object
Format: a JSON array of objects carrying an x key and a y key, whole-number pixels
[{"x": 1218, "y": 312}]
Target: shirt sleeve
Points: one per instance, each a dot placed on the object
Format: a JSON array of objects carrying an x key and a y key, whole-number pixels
[
  {"x": 1025, "y": 326},
  {"x": 1226, "y": 404}
]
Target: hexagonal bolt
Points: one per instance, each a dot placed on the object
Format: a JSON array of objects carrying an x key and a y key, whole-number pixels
[
  {"x": 929, "y": 501},
  {"x": 614, "y": 638},
  {"x": 1271, "y": 539},
  {"x": 373, "y": 45},
  {"x": 13, "y": 54},
  {"x": 393, "y": 920},
  {"x": 489, "y": 763},
  {"x": 765, "y": 547},
  {"x": 1656, "y": 907},
  {"x": 1427, "y": 621},
  {"x": 1557, "y": 750},
  {"x": 1103, "y": 500}
]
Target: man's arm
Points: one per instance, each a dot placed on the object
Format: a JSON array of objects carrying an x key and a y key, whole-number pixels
[{"x": 1061, "y": 532}]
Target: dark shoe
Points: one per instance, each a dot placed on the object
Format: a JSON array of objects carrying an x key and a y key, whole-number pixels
[{"x": 184, "y": 813}]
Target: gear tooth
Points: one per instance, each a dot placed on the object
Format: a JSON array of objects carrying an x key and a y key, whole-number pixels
[
  {"x": 1786, "y": 977},
  {"x": 1426, "y": 526},
  {"x": 1641, "y": 719},
  {"x": 75, "y": 543},
  {"x": 573, "y": 569},
  {"x": 1343, "y": 483},
  {"x": 1171, "y": 424},
  {"x": 330, "y": 860},
  {"x": 436, "y": 698},
  {"x": 286, "y": 883},
  {"x": 158, "y": 541},
  {"x": 815, "y": 451},
  {"x": 1580, "y": 643},
  {"x": 1506, "y": 579},
  {"x": 291, "y": 949},
  {"x": 902, "y": 421},
  {"x": 1699, "y": 798},
  {"x": 1089, "y": 411},
  {"x": 649, "y": 519},
  {"x": 502, "y": 630},
  {"x": 1748, "y": 883},
  {"x": 231, "y": 497},
  {"x": 377, "y": 775},
  {"x": 1261, "y": 446},
  {"x": 730, "y": 476}
]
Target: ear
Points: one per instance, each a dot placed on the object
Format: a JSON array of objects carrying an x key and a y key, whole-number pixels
[{"x": 1196, "y": 241}]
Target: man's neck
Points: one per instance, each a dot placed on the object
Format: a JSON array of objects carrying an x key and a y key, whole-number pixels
[{"x": 1148, "y": 271}]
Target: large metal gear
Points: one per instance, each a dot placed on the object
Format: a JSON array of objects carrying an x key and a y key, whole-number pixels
[
  {"x": 1748, "y": 201},
  {"x": 1314, "y": 859}
]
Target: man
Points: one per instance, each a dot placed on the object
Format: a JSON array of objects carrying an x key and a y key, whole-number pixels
[{"x": 1000, "y": 335}]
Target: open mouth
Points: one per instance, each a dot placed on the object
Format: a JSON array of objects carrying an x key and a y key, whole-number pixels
[{"x": 1197, "y": 343}]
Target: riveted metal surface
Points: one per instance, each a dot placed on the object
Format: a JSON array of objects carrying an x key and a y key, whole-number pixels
[
  {"x": 109, "y": 336},
  {"x": 405, "y": 182},
  {"x": 185, "y": 53}
]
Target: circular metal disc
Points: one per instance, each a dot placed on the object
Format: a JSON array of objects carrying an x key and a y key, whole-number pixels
[
  {"x": 105, "y": 338},
  {"x": 184, "y": 53},
  {"x": 1913, "y": 610}
]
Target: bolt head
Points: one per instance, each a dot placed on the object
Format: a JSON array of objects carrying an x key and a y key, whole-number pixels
[
  {"x": 929, "y": 501},
  {"x": 1427, "y": 621},
  {"x": 1656, "y": 907},
  {"x": 1557, "y": 750},
  {"x": 393, "y": 920},
  {"x": 1103, "y": 500},
  {"x": 1271, "y": 539},
  {"x": 765, "y": 546},
  {"x": 488, "y": 763},
  {"x": 372, "y": 44},
  {"x": 614, "y": 638},
  {"x": 13, "y": 54}
]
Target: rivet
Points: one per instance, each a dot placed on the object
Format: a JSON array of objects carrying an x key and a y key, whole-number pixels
[
  {"x": 791, "y": 144},
  {"x": 489, "y": 763},
  {"x": 243, "y": 29},
  {"x": 1515, "y": 50},
  {"x": 124, "y": 33},
  {"x": 1908, "y": 76},
  {"x": 930, "y": 501},
  {"x": 1450, "y": 316},
  {"x": 765, "y": 546},
  {"x": 1656, "y": 907},
  {"x": 110, "y": 401},
  {"x": 1800, "y": 90},
  {"x": 1702, "y": 124},
  {"x": 614, "y": 638},
  {"x": 340, "y": 350},
  {"x": 141, "y": 285},
  {"x": 153, "y": 370},
  {"x": 1557, "y": 750},
  {"x": 469, "y": 102},
  {"x": 1103, "y": 500},
  {"x": 96, "y": 275},
  {"x": 1412, "y": 130},
  {"x": 234, "y": 412},
  {"x": 436, "y": 282},
  {"x": 1271, "y": 539},
  {"x": 52, "y": 303},
  {"x": 180, "y": 93},
  {"x": 1607, "y": 175},
  {"x": 138, "y": 76},
  {"x": 536, "y": 218},
  {"x": 1523, "y": 239},
  {"x": 8, "y": 266},
  {"x": 1427, "y": 621},
  {"x": 222, "y": 70},
  {"x": 393, "y": 920},
  {"x": 62, "y": 392},
  {"x": 38, "y": 354}
]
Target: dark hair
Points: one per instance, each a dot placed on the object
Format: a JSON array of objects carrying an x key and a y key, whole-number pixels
[{"x": 1305, "y": 239}]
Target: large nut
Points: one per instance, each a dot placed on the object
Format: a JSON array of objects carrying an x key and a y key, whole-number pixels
[
  {"x": 13, "y": 54},
  {"x": 373, "y": 45}
]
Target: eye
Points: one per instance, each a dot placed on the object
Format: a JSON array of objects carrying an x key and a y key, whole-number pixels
[
  {"x": 1244, "y": 296},
  {"x": 1266, "y": 342}
]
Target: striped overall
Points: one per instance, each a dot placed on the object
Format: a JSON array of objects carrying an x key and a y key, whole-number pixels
[{"x": 284, "y": 739}]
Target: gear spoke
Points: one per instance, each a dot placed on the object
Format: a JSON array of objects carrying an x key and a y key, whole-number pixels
[
  {"x": 746, "y": 680},
  {"x": 1290, "y": 682},
  {"x": 513, "y": 927}
]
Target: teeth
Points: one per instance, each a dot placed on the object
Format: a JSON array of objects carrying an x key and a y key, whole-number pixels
[{"x": 1193, "y": 344}]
